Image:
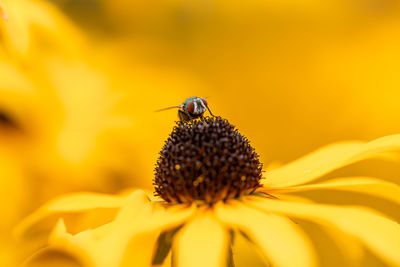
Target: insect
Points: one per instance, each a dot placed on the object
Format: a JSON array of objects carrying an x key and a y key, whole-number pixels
[{"x": 192, "y": 108}]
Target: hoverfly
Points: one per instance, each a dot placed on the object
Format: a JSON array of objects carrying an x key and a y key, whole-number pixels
[{"x": 192, "y": 108}]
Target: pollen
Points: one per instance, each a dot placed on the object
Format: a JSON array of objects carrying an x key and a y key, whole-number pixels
[
  {"x": 206, "y": 160},
  {"x": 198, "y": 181}
]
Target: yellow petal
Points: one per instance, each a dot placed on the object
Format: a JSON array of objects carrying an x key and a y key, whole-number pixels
[
  {"x": 378, "y": 233},
  {"x": 67, "y": 243},
  {"x": 106, "y": 245},
  {"x": 57, "y": 28},
  {"x": 329, "y": 158},
  {"x": 3, "y": 14},
  {"x": 15, "y": 29},
  {"x": 283, "y": 196},
  {"x": 202, "y": 242},
  {"x": 50, "y": 257},
  {"x": 281, "y": 240},
  {"x": 129, "y": 240},
  {"x": 371, "y": 186},
  {"x": 350, "y": 247},
  {"x": 75, "y": 202},
  {"x": 84, "y": 201},
  {"x": 246, "y": 253},
  {"x": 146, "y": 216},
  {"x": 26, "y": 24},
  {"x": 171, "y": 217},
  {"x": 135, "y": 231},
  {"x": 60, "y": 230},
  {"x": 139, "y": 250}
]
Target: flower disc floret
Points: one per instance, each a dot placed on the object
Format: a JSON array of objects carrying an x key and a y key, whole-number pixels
[{"x": 206, "y": 160}]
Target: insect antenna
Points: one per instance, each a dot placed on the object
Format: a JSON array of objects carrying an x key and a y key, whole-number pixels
[{"x": 158, "y": 110}]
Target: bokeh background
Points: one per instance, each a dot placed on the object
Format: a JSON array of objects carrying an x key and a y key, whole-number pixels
[{"x": 80, "y": 81}]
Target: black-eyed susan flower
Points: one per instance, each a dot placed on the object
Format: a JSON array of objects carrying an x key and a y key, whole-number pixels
[{"x": 210, "y": 181}]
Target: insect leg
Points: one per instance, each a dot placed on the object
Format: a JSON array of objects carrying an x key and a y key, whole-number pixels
[
  {"x": 183, "y": 116},
  {"x": 210, "y": 111},
  {"x": 180, "y": 116}
]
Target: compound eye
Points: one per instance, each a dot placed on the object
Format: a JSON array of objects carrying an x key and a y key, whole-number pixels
[
  {"x": 190, "y": 107},
  {"x": 204, "y": 102}
]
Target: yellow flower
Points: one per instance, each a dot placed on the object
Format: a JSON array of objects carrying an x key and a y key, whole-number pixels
[
  {"x": 29, "y": 27},
  {"x": 54, "y": 143},
  {"x": 210, "y": 179},
  {"x": 12, "y": 190}
]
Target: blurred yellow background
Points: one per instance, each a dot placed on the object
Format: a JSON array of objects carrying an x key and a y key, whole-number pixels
[{"x": 80, "y": 80}]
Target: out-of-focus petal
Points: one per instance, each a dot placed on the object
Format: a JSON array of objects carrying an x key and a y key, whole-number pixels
[
  {"x": 3, "y": 14},
  {"x": 371, "y": 186},
  {"x": 65, "y": 242},
  {"x": 294, "y": 198},
  {"x": 329, "y": 158},
  {"x": 282, "y": 242},
  {"x": 106, "y": 245},
  {"x": 15, "y": 25},
  {"x": 378, "y": 233},
  {"x": 12, "y": 191},
  {"x": 27, "y": 22},
  {"x": 202, "y": 242},
  {"x": 17, "y": 93},
  {"x": 146, "y": 216},
  {"x": 58, "y": 29},
  {"x": 84, "y": 201},
  {"x": 127, "y": 240},
  {"x": 75, "y": 202},
  {"x": 51, "y": 257},
  {"x": 350, "y": 247},
  {"x": 140, "y": 250}
]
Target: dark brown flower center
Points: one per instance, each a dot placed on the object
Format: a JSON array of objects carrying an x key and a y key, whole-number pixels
[{"x": 206, "y": 160}]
